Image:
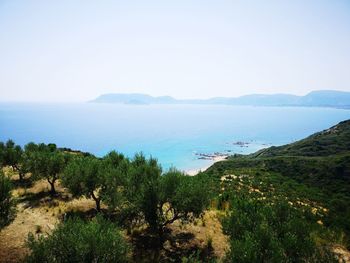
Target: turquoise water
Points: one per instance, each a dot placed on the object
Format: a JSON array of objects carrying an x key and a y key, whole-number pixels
[{"x": 171, "y": 133}]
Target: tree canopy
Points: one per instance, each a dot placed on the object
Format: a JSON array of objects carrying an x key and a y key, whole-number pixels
[
  {"x": 160, "y": 199},
  {"x": 47, "y": 162},
  {"x": 12, "y": 155}
]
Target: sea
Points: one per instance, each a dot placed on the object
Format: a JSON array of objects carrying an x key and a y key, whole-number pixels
[{"x": 180, "y": 136}]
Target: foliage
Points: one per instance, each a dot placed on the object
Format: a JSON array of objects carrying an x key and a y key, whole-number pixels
[
  {"x": 82, "y": 177},
  {"x": 317, "y": 167},
  {"x": 79, "y": 241},
  {"x": 269, "y": 232},
  {"x": 6, "y": 202},
  {"x": 95, "y": 178},
  {"x": 47, "y": 162},
  {"x": 13, "y": 155},
  {"x": 335, "y": 140},
  {"x": 162, "y": 199}
]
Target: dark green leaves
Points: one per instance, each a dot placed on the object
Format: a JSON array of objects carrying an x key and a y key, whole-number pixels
[
  {"x": 80, "y": 241},
  {"x": 6, "y": 202}
]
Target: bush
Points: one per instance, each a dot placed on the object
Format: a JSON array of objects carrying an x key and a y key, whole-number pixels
[{"x": 79, "y": 241}]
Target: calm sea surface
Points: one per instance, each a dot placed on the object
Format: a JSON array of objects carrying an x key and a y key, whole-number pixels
[{"x": 172, "y": 133}]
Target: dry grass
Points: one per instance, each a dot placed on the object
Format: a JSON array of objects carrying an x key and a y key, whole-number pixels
[
  {"x": 36, "y": 212},
  {"x": 342, "y": 254},
  {"x": 207, "y": 229}
]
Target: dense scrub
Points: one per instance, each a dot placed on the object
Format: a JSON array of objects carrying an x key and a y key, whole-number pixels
[{"x": 270, "y": 232}]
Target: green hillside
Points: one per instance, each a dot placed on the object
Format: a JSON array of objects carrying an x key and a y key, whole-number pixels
[
  {"x": 322, "y": 160},
  {"x": 314, "y": 171},
  {"x": 335, "y": 140}
]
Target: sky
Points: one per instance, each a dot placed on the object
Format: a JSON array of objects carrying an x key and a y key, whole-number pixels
[{"x": 72, "y": 50}]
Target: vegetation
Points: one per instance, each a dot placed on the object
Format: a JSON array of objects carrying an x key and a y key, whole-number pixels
[
  {"x": 78, "y": 241},
  {"x": 282, "y": 204},
  {"x": 162, "y": 199},
  {"x": 335, "y": 140},
  {"x": 12, "y": 155},
  {"x": 261, "y": 231},
  {"x": 83, "y": 177},
  {"x": 313, "y": 173},
  {"x": 6, "y": 203},
  {"x": 47, "y": 162}
]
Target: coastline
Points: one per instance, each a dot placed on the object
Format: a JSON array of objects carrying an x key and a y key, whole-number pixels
[{"x": 193, "y": 172}]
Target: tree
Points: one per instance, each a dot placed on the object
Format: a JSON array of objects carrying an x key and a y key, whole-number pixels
[
  {"x": 12, "y": 155},
  {"x": 2, "y": 153},
  {"x": 83, "y": 177},
  {"x": 6, "y": 203},
  {"x": 185, "y": 197},
  {"x": 162, "y": 199},
  {"x": 115, "y": 168},
  {"x": 98, "y": 179},
  {"x": 79, "y": 241},
  {"x": 47, "y": 162}
]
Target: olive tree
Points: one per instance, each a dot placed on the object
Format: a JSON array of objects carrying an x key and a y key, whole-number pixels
[
  {"x": 83, "y": 177},
  {"x": 115, "y": 168},
  {"x": 12, "y": 155},
  {"x": 47, "y": 162},
  {"x": 181, "y": 197},
  {"x": 99, "y": 179},
  {"x": 162, "y": 199}
]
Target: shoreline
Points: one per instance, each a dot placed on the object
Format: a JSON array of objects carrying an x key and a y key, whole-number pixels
[{"x": 193, "y": 172}]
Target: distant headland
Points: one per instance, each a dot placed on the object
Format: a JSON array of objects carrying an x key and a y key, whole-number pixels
[{"x": 320, "y": 98}]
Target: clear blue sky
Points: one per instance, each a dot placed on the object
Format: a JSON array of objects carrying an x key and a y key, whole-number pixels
[{"x": 71, "y": 50}]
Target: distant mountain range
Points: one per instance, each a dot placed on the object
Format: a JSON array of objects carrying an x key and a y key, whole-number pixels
[{"x": 321, "y": 98}]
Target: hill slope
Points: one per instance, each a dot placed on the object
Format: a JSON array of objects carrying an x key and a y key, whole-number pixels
[
  {"x": 335, "y": 140},
  {"x": 317, "y": 166}
]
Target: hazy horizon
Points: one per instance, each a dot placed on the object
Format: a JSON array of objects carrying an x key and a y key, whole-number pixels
[{"x": 71, "y": 51}]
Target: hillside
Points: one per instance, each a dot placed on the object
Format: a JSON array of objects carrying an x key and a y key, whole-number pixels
[
  {"x": 316, "y": 168},
  {"x": 335, "y": 140},
  {"x": 321, "y": 98},
  {"x": 321, "y": 160}
]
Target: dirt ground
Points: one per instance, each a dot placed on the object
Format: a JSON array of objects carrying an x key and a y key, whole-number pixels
[
  {"x": 205, "y": 231},
  {"x": 37, "y": 213}
]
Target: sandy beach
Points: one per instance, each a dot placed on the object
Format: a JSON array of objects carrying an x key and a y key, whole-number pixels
[{"x": 193, "y": 172}]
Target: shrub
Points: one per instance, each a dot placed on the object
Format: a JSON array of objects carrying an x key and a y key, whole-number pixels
[{"x": 79, "y": 241}]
